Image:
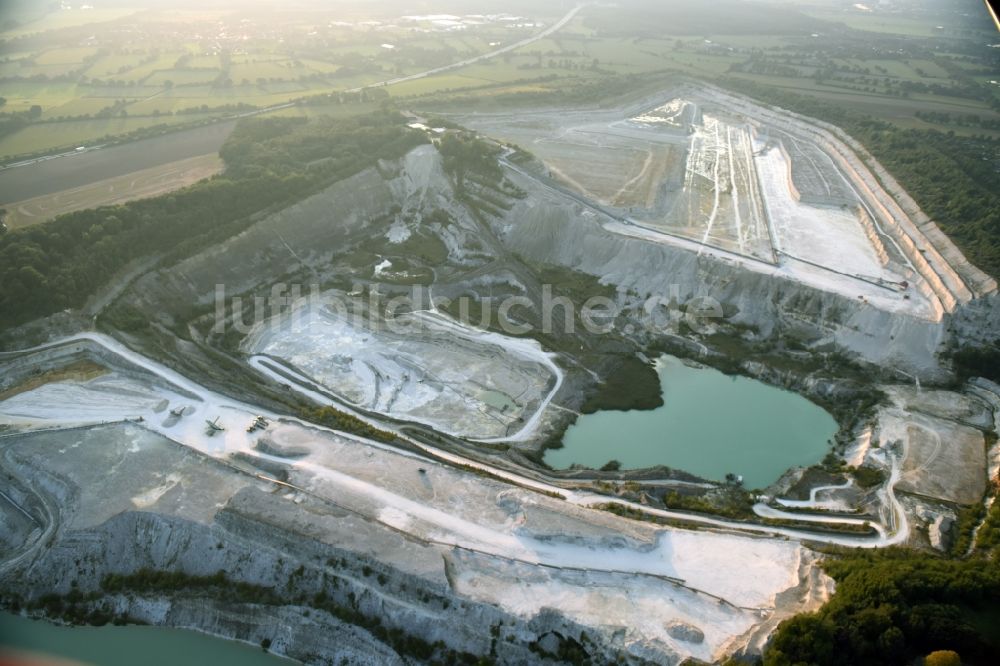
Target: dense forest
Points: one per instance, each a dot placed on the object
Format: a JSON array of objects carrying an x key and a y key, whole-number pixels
[
  {"x": 978, "y": 362},
  {"x": 269, "y": 163},
  {"x": 892, "y": 606}
]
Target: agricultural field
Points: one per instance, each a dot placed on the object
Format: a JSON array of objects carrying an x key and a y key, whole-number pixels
[
  {"x": 60, "y": 20},
  {"x": 445, "y": 82},
  {"x": 918, "y": 76},
  {"x": 66, "y": 135},
  {"x": 887, "y": 25},
  {"x": 110, "y": 191},
  {"x": 137, "y": 60},
  {"x": 154, "y": 63},
  {"x": 50, "y": 177},
  {"x": 82, "y": 106}
]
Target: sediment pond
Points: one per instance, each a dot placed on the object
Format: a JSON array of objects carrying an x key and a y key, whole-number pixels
[
  {"x": 123, "y": 646},
  {"x": 710, "y": 424}
]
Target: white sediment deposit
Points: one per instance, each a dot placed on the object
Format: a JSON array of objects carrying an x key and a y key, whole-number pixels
[
  {"x": 854, "y": 260},
  {"x": 457, "y": 379},
  {"x": 429, "y": 548},
  {"x": 144, "y": 467}
]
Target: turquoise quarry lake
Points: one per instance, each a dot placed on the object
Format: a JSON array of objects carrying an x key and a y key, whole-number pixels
[
  {"x": 709, "y": 425},
  {"x": 125, "y": 646}
]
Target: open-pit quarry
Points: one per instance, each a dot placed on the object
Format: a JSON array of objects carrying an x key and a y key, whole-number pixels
[
  {"x": 136, "y": 465},
  {"x": 776, "y": 193},
  {"x": 424, "y": 515},
  {"x": 421, "y": 367},
  {"x": 115, "y": 462}
]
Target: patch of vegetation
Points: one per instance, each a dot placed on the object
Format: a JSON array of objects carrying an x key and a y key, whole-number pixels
[
  {"x": 868, "y": 477},
  {"x": 854, "y": 529},
  {"x": 894, "y": 605},
  {"x": 964, "y": 527},
  {"x": 988, "y": 537},
  {"x": 464, "y": 155},
  {"x": 978, "y": 361},
  {"x": 730, "y": 501},
  {"x": 812, "y": 477},
  {"x": 630, "y": 384},
  {"x": 124, "y": 317},
  {"x": 638, "y": 514},
  {"x": 332, "y": 418},
  {"x": 154, "y": 580}
]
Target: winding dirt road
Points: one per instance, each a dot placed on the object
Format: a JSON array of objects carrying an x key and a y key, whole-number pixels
[{"x": 897, "y": 530}]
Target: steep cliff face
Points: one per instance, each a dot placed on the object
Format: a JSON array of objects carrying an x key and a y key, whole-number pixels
[
  {"x": 301, "y": 633},
  {"x": 898, "y": 318},
  {"x": 403, "y": 208},
  {"x": 296, "y": 569},
  {"x": 978, "y": 322},
  {"x": 455, "y": 562},
  {"x": 549, "y": 230}
]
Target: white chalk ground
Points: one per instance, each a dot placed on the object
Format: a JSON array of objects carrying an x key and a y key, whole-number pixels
[
  {"x": 942, "y": 458},
  {"x": 671, "y": 113},
  {"x": 105, "y": 398},
  {"x": 643, "y": 607},
  {"x": 453, "y": 507},
  {"x": 707, "y": 572},
  {"x": 854, "y": 454},
  {"x": 827, "y": 235},
  {"x": 825, "y": 280},
  {"x": 703, "y": 560},
  {"x": 722, "y": 204},
  {"x": 432, "y": 371}
]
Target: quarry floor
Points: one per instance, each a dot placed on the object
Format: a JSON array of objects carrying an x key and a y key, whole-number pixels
[
  {"x": 138, "y": 440},
  {"x": 131, "y": 435},
  {"x": 719, "y": 186}
]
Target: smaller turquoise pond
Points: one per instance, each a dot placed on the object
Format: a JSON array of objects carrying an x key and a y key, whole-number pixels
[
  {"x": 710, "y": 424},
  {"x": 124, "y": 646}
]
